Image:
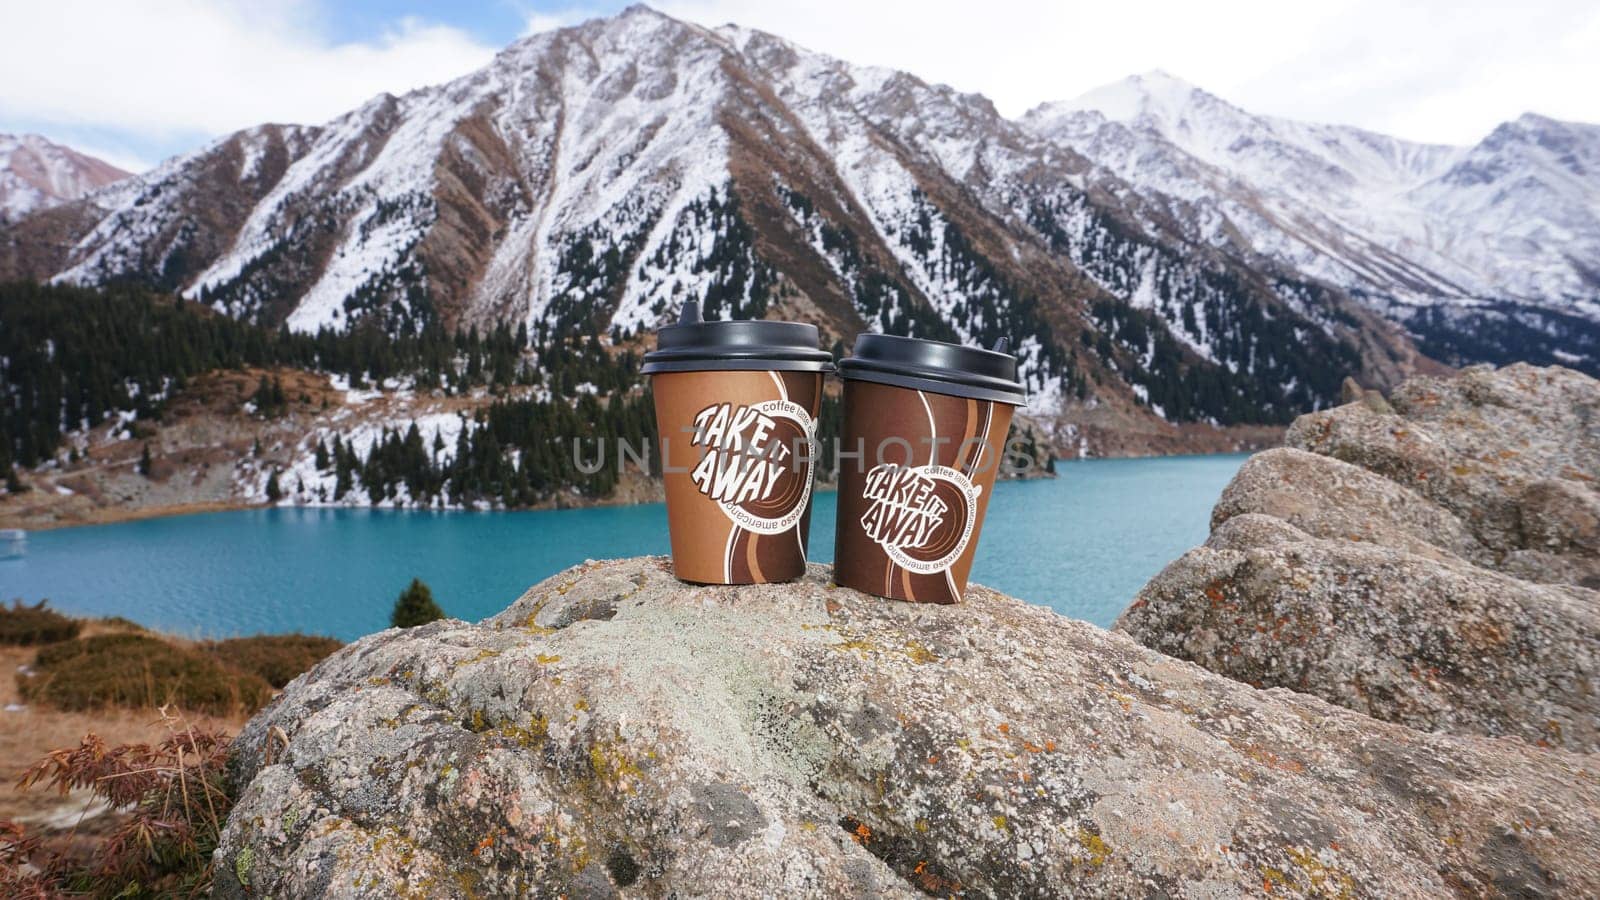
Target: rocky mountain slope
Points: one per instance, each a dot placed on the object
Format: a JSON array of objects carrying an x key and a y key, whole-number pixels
[
  {"x": 618, "y": 733},
  {"x": 1486, "y": 253},
  {"x": 212, "y": 449},
  {"x": 591, "y": 178},
  {"x": 1431, "y": 559},
  {"x": 36, "y": 173}
]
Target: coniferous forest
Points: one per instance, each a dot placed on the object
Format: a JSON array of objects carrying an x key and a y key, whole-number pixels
[{"x": 72, "y": 358}]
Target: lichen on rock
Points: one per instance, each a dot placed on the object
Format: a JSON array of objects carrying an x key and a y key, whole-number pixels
[
  {"x": 1430, "y": 561},
  {"x": 617, "y": 732}
]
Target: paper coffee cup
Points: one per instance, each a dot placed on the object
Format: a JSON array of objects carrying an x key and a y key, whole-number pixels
[
  {"x": 924, "y": 433},
  {"x": 736, "y": 408}
]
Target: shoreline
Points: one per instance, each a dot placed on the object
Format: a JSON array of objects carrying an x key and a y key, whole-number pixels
[{"x": 634, "y": 492}]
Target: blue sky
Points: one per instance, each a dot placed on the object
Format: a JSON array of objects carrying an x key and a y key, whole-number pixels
[
  {"x": 496, "y": 22},
  {"x": 135, "y": 81},
  {"x": 405, "y": 45}
]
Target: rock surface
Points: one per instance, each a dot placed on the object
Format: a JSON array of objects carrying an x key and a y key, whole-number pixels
[
  {"x": 1429, "y": 561},
  {"x": 618, "y": 732}
]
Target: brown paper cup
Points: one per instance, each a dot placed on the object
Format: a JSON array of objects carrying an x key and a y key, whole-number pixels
[
  {"x": 739, "y": 457},
  {"x": 911, "y": 505}
]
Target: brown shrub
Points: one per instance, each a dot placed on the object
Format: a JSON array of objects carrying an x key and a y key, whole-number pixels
[
  {"x": 25, "y": 626},
  {"x": 278, "y": 658},
  {"x": 119, "y": 623},
  {"x": 178, "y": 795},
  {"x": 138, "y": 670}
]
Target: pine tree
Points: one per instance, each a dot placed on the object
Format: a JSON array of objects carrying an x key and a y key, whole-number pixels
[
  {"x": 342, "y": 481},
  {"x": 415, "y": 606},
  {"x": 274, "y": 492},
  {"x": 144, "y": 461}
]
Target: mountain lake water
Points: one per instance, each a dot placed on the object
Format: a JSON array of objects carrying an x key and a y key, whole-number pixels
[{"x": 1082, "y": 544}]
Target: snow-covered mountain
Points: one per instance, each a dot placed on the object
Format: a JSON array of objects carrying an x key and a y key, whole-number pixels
[
  {"x": 1484, "y": 252},
  {"x": 36, "y": 173},
  {"x": 590, "y": 179}
]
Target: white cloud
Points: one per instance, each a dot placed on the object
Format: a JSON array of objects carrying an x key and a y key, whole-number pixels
[
  {"x": 167, "y": 74},
  {"x": 187, "y": 67},
  {"x": 539, "y": 22},
  {"x": 1444, "y": 72}
]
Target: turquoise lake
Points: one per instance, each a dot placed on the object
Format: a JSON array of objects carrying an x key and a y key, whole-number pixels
[{"x": 1082, "y": 544}]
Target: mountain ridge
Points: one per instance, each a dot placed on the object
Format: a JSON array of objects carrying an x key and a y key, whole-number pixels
[
  {"x": 1480, "y": 243},
  {"x": 37, "y": 173},
  {"x": 590, "y": 179}
]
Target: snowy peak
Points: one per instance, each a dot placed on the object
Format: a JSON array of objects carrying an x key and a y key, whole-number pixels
[
  {"x": 1159, "y": 105},
  {"x": 1535, "y": 145},
  {"x": 36, "y": 173},
  {"x": 1155, "y": 98},
  {"x": 1430, "y": 235},
  {"x": 589, "y": 180}
]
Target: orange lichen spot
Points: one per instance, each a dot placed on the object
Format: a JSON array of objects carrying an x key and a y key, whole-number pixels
[
  {"x": 1032, "y": 747},
  {"x": 933, "y": 760},
  {"x": 486, "y": 843},
  {"x": 862, "y": 834},
  {"x": 1050, "y": 746},
  {"x": 1005, "y": 728}
]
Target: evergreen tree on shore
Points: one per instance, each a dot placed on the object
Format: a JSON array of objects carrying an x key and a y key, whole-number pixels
[{"x": 415, "y": 606}]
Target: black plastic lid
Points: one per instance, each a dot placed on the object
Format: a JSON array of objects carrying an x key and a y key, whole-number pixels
[
  {"x": 694, "y": 345},
  {"x": 936, "y": 366}
]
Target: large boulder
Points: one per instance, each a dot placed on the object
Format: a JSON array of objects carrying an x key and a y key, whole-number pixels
[
  {"x": 618, "y": 732},
  {"x": 1429, "y": 561}
]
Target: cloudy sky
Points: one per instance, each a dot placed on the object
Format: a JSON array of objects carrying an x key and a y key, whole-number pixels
[{"x": 138, "y": 80}]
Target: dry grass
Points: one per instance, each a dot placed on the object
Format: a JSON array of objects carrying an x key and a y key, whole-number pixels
[
  {"x": 27, "y": 736},
  {"x": 171, "y": 796},
  {"x": 126, "y": 800}
]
